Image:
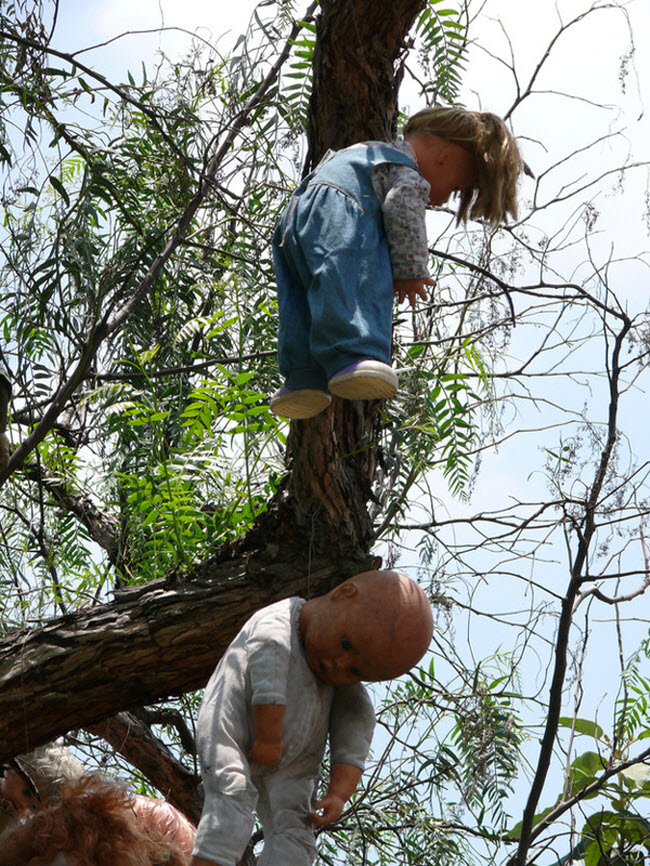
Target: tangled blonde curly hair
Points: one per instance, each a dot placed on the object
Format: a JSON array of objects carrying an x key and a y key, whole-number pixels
[
  {"x": 50, "y": 767},
  {"x": 499, "y": 164},
  {"x": 96, "y": 822}
]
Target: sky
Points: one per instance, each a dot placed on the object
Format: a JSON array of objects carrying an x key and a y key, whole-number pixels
[
  {"x": 587, "y": 61},
  {"x": 551, "y": 126}
]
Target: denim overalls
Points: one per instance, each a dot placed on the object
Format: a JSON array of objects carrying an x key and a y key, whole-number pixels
[{"x": 332, "y": 268}]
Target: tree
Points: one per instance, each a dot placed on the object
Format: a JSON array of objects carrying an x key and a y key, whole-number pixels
[
  {"x": 122, "y": 299},
  {"x": 148, "y": 507}
]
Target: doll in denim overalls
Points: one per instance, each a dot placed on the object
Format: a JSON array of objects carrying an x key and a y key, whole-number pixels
[{"x": 354, "y": 234}]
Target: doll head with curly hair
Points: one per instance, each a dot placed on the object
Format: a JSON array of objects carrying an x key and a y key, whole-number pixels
[{"x": 97, "y": 822}]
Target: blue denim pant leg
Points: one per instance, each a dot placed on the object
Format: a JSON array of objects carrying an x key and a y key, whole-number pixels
[
  {"x": 295, "y": 361},
  {"x": 341, "y": 288}
]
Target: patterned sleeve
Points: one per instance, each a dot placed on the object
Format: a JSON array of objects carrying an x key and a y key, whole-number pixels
[
  {"x": 404, "y": 195},
  {"x": 352, "y": 722}
]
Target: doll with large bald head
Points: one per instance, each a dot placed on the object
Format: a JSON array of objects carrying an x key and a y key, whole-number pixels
[
  {"x": 290, "y": 680},
  {"x": 375, "y": 626}
]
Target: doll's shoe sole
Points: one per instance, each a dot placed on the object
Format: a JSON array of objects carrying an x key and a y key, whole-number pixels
[
  {"x": 364, "y": 380},
  {"x": 299, "y": 403}
]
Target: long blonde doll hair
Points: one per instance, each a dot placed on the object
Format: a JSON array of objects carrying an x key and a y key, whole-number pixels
[{"x": 487, "y": 138}]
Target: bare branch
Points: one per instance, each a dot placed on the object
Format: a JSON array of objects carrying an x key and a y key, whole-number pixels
[{"x": 133, "y": 739}]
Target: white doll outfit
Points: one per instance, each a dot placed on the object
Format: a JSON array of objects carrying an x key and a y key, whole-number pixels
[{"x": 265, "y": 664}]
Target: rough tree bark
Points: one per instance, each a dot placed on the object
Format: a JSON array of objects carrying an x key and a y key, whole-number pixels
[
  {"x": 165, "y": 638},
  {"x": 357, "y": 71}
]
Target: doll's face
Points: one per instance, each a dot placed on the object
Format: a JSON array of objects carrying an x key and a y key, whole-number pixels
[
  {"x": 339, "y": 650},
  {"x": 15, "y": 789},
  {"x": 447, "y": 167},
  {"x": 365, "y": 630}
]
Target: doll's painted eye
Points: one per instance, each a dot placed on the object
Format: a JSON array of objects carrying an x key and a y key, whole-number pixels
[
  {"x": 356, "y": 672},
  {"x": 345, "y": 643}
]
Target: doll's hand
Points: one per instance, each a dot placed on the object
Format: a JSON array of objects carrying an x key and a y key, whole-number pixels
[
  {"x": 326, "y": 810},
  {"x": 344, "y": 779},
  {"x": 268, "y": 754},
  {"x": 412, "y": 289}
]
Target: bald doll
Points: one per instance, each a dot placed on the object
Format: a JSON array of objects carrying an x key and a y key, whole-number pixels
[{"x": 291, "y": 679}]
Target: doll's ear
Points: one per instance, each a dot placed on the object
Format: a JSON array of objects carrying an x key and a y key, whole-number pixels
[{"x": 346, "y": 590}]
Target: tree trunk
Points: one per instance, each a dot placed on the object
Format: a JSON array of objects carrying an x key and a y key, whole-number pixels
[
  {"x": 357, "y": 71},
  {"x": 356, "y": 74}
]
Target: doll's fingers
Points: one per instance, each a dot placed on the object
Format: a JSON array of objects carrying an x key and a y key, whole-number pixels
[
  {"x": 322, "y": 820},
  {"x": 419, "y": 292},
  {"x": 326, "y": 810}
]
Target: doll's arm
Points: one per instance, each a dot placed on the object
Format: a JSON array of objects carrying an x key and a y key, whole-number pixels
[
  {"x": 403, "y": 211},
  {"x": 352, "y": 721},
  {"x": 268, "y": 745},
  {"x": 269, "y": 650},
  {"x": 344, "y": 779},
  {"x": 351, "y": 725}
]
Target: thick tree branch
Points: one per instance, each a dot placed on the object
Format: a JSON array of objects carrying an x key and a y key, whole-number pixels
[{"x": 133, "y": 739}]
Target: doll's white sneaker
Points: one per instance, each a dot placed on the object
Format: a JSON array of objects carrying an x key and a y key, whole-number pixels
[
  {"x": 364, "y": 380},
  {"x": 299, "y": 402}
]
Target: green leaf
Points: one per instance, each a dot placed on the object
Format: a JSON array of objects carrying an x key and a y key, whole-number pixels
[
  {"x": 58, "y": 186},
  {"x": 583, "y": 771},
  {"x": 583, "y": 726}
]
